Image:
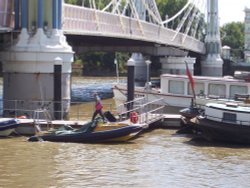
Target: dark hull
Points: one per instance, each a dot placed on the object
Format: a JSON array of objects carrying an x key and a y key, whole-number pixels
[
  {"x": 223, "y": 132},
  {"x": 8, "y": 124},
  {"x": 119, "y": 134}
]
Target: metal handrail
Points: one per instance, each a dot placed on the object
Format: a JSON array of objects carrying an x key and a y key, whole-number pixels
[
  {"x": 16, "y": 108},
  {"x": 147, "y": 111}
]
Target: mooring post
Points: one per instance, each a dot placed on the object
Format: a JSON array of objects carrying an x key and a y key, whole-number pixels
[{"x": 58, "y": 88}]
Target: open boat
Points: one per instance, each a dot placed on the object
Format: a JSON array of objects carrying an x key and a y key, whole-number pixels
[
  {"x": 7, "y": 126},
  {"x": 228, "y": 122},
  {"x": 92, "y": 132}
]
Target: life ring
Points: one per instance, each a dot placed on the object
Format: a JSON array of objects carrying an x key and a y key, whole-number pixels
[{"x": 133, "y": 117}]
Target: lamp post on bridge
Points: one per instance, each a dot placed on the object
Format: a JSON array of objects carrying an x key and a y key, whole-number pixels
[{"x": 166, "y": 18}]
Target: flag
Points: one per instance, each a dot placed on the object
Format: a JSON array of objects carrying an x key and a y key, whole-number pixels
[{"x": 190, "y": 77}]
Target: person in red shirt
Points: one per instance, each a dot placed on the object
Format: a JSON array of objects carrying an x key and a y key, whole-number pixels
[{"x": 98, "y": 107}]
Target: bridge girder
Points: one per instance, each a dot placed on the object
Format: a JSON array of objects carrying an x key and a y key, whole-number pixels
[{"x": 106, "y": 44}]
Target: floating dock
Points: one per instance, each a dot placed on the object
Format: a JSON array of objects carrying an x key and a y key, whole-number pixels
[
  {"x": 147, "y": 114},
  {"x": 28, "y": 126}
]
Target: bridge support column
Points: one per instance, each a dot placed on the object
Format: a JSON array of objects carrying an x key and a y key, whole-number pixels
[
  {"x": 213, "y": 64},
  {"x": 140, "y": 69},
  {"x": 176, "y": 65},
  {"x": 32, "y": 74}
]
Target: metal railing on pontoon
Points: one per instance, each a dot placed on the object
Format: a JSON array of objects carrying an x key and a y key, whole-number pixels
[{"x": 147, "y": 111}]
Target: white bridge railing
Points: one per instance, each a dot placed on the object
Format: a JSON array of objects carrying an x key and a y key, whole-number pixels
[{"x": 85, "y": 21}]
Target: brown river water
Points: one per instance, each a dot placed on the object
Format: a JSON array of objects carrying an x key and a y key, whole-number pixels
[{"x": 158, "y": 158}]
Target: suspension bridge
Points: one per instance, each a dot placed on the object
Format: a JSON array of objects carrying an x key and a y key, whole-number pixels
[
  {"x": 114, "y": 21},
  {"x": 49, "y": 32},
  {"x": 136, "y": 21}
]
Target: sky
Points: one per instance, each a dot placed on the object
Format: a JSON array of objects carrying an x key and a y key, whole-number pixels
[{"x": 232, "y": 10}]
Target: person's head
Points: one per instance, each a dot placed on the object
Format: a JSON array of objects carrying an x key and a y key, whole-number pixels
[{"x": 95, "y": 95}]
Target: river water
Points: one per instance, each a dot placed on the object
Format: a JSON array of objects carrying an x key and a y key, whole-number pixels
[{"x": 158, "y": 158}]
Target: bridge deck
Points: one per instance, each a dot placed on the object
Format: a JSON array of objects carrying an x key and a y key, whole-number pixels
[{"x": 90, "y": 22}]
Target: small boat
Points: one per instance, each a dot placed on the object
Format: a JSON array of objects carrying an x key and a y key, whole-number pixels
[
  {"x": 7, "y": 126},
  {"x": 186, "y": 115},
  {"x": 92, "y": 132},
  {"x": 191, "y": 111},
  {"x": 228, "y": 122}
]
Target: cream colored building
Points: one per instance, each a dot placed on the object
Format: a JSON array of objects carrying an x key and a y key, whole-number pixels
[{"x": 247, "y": 35}]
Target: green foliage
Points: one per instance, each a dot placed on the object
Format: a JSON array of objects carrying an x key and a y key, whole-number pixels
[
  {"x": 122, "y": 59},
  {"x": 232, "y": 35},
  {"x": 74, "y": 2},
  {"x": 100, "y": 4},
  {"x": 169, "y": 7},
  {"x": 78, "y": 62}
]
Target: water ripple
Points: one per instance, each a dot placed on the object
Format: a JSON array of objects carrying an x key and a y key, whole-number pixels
[{"x": 156, "y": 159}]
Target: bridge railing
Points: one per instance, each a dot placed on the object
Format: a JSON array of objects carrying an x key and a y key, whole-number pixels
[{"x": 86, "y": 21}]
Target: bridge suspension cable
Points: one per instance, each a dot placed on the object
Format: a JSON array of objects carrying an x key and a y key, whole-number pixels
[{"x": 138, "y": 19}]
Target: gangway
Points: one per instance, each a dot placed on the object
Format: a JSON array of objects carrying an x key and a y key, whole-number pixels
[{"x": 148, "y": 112}]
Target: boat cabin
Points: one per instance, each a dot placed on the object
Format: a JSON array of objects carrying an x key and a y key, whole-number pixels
[
  {"x": 232, "y": 113},
  {"x": 213, "y": 87}
]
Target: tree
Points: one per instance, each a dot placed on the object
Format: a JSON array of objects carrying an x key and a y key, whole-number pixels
[
  {"x": 74, "y": 2},
  {"x": 100, "y": 4},
  {"x": 232, "y": 35},
  {"x": 169, "y": 7}
]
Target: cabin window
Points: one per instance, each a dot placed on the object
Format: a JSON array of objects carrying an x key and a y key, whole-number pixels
[
  {"x": 229, "y": 117},
  {"x": 199, "y": 88},
  {"x": 217, "y": 90},
  {"x": 237, "y": 90},
  {"x": 176, "y": 87}
]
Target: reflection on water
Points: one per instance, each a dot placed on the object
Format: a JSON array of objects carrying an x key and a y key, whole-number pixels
[{"x": 156, "y": 159}]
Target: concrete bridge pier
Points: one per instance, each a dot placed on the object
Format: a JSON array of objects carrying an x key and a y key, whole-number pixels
[
  {"x": 176, "y": 65},
  {"x": 37, "y": 69},
  {"x": 140, "y": 69},
  {"x": 213, "y": 64}
]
